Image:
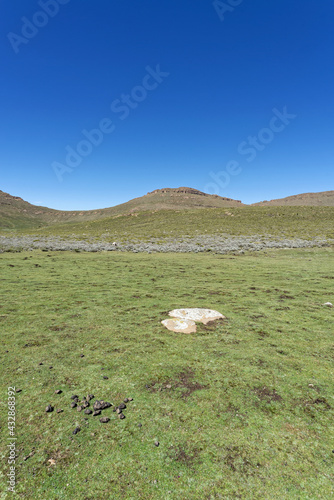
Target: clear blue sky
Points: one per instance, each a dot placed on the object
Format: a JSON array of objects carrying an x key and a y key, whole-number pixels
[{"x": 228, "y": 69}]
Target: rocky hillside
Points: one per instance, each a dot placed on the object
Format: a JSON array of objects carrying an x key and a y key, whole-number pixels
[
  {"x": 15, "y": 213},
  {"x": 190, "y": 191},
  {"x": 324, "y": 199}
]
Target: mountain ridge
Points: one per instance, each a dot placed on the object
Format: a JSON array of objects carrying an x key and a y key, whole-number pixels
[{"x": 16, "y": 213}]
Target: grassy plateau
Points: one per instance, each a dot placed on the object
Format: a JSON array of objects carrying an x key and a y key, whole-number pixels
[{"x": 242, "y": 409}]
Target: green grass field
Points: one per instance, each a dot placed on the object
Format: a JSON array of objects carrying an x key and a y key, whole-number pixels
[{"x": 248, "y": 411}]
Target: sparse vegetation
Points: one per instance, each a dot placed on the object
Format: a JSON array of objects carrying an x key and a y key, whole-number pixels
[{"x": 195, "y": 244}]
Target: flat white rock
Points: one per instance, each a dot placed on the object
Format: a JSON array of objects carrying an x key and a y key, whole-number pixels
[
  {"x": 328, "y": 304},
  {"x": 180, "y": 325},
  {"x": 197, "y": 314}
]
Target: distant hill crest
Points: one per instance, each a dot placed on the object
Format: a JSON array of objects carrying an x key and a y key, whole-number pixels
[
  {"x": 322, "y": 199},
  {"x": 188, "y": 190}
]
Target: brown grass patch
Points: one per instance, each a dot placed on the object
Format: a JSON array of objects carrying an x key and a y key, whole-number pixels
[
  {"x": 316, "y": 402},
  {"x": 184, "y": 455},
  {"x": 57, "y": 328},
  {"x": 266, "y": 394},
  {"x": 237, "y": 460},
  {"x": 183, "y": 380}
]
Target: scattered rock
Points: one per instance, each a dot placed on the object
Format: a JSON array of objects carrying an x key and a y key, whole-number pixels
[
  {"x": 121, "y": 416},
  {"x": 82, "y": 355},
  {"x": 18, "y": 390},
  {"x": 156, "y": 443},
  {"x": 118, "y": 410},
  {"x": 79, "y": 408},
  {"x": 126, "y": 400},
  {"x": 168, "y": 386},
  {"x": 140, "y": 425},
  {"x": 73, "y": 405},
  {"x": 85, "y": 404},
  {"x": 40, "y": 364},
  {"x": 130, "y": 399},
  {"x": 88, "y": 412},
  {"x": 328, "y": 304},
  {"x": 60, "y": 410},
  {"x": 122, "y": 406},
  {"x": 105, "y": 377},
  {"x": 76, "y": 430},
  {"x": 180, "y": 325},
  {"x": 50, "y": 367},
  {"x": 75, "y": 397},
  {"x": 104, "y": 420},
  {"x": 49, "y": 409},
  {"x": 96, "y": 413},
  {"x": 58, "y": 391},
  {"x": 89, "y": 397}
]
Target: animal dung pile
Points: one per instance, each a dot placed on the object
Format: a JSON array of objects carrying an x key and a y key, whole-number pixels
[
  {"x": 98, "y": 406},
  {"x": 85, "y": 406},
  {"x": 186, "y": 319}
]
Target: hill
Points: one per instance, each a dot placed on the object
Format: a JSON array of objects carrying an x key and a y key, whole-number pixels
[
  {"x": 15, "y": 213},
  {"x": 163, "y": 210},
  {"x": 323, "y": 199}
]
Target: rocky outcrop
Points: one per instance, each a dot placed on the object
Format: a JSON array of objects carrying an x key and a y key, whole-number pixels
[
  {"x": 6, "y": 196},
  {"x": 187, "y": 190}
]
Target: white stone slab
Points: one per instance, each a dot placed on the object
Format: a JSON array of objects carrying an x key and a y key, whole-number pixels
[
  {"x": 197, "y": 314},
  {"x": 180, "y": 325}
]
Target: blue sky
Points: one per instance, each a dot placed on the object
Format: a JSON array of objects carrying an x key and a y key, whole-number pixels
[{"x": 184, "y": 92}]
